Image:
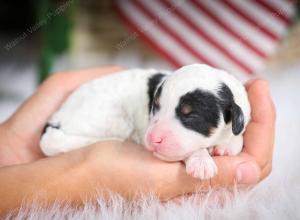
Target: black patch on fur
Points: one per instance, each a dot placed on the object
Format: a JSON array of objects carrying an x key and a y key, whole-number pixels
[
  {"x": 231, "y": 111},
  {"x": 153, "y": 82},
  {"x": 226, "y": 100},
  {"x": 237, "y": 119},
  {"x": 205, "y": 113},
  {"x": 57, "y": 126}
]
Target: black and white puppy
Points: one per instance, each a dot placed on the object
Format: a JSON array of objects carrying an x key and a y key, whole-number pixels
[{"x": 184, "y": 115}]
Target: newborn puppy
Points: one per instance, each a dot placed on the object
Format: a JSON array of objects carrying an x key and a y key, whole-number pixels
[{"x": 179, "y": 116}]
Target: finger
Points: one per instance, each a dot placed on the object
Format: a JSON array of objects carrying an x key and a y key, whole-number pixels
[
  {"x": 259, "y": 135},
  {"x": 81, "y": 76},
  {"x": 260, "y": 101},
  {"x": 31, "y": 117}
]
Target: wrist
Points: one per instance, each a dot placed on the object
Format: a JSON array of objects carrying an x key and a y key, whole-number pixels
[{"x": 63, "y": 178}]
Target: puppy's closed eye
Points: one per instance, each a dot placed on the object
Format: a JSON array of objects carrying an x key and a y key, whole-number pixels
[{"x": 186, "y": 109}]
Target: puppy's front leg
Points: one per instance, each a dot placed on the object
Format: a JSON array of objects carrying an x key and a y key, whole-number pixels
[{"x": 201, "y": 165}]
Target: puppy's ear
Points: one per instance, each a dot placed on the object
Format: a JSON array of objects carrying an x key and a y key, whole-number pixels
[
  {"x": 231, "y": 111},
  {"x": 153, "y": 82},
  {"x": 237, "y": 119}
]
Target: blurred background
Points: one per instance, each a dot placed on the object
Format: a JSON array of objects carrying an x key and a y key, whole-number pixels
[{"x": 253, "y": 38}]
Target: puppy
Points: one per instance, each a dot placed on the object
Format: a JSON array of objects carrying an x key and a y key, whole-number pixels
[{"x": 181, "y": 116}]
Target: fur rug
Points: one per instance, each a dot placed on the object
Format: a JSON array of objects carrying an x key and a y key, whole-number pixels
[{"x": 277, "y": 197}]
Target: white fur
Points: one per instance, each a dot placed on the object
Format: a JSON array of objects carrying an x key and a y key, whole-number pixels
[
  {"x": 116, "y": 107},
  {"x": 112, "y": 107}
]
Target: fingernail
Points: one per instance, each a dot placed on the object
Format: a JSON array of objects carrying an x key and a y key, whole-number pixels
[{"x": 247, "y": 173}]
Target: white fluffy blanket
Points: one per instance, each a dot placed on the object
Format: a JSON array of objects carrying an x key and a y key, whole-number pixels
[{"x": 278, "y": 197}]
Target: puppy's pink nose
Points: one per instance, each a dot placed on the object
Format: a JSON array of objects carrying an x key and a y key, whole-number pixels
[{"x": 156, "y": 140}]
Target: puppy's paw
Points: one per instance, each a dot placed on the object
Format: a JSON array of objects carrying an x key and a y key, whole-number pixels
[{"x": 201, "y": 167}]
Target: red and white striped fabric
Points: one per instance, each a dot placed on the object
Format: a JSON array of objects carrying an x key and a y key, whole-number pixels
[{"x": 235, "y": 35}]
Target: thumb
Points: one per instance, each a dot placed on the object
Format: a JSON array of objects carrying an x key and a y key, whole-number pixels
[{"x": 240, "y": 170}]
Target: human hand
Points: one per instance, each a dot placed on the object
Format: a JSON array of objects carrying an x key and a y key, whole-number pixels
[{"x": 20, "y": 134}]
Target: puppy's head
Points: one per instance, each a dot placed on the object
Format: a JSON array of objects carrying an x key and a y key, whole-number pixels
[{"x": 189, "y": 110}]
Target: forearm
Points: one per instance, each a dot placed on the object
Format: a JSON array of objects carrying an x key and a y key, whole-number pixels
[
  {"x": 123, "y": 168},
  {"x": 46, "y": 180}
]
